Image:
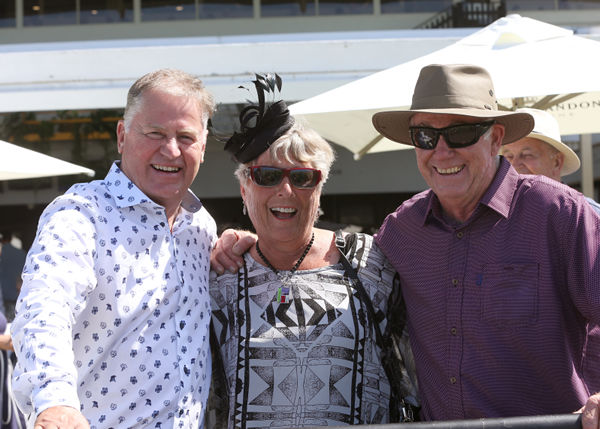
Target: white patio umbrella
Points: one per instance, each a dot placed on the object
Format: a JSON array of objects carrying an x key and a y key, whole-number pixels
[
  {"x": 17, "y": 162},
  {"x": 532, "y": 64}
]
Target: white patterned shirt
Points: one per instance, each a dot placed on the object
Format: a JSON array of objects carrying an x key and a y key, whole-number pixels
[{"x": 114, "y": 311}]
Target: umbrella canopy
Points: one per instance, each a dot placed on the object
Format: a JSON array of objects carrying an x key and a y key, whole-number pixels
[
  {"x": 17, "y": 162},
  {"x": 532, "y": 64}
]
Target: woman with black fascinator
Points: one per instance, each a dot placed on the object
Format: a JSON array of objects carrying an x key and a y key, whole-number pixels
[{"x": 301, "y": 331}]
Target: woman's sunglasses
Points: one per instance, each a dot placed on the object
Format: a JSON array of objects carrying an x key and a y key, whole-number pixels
[
  {"x": 455, "y": 136},
  {"x": 272, "y": 176}
]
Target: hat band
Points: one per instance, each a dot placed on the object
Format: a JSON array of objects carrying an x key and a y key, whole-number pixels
[{"x": 452, "y": 102}]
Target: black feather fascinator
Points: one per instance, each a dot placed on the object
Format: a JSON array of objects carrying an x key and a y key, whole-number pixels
[{"x": 260, "y": 124}]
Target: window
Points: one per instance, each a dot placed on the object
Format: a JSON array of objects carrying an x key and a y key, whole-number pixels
[
  {"x": 287, "y": 8},
  {"x": 579, "y": 4},
  {"x": 105, "y": 11},
  {"x": 345, "y": 7},
  {"x": 49, "y": 12},
  {"x": 7, "y": 13},
  {"x": 225, "y": 9},
  {"x": 414, "y": 6},
  {"x": 168, "y": 10},
  {"x": 315, "y": 7},
  {"x": 517, "y": 5}
]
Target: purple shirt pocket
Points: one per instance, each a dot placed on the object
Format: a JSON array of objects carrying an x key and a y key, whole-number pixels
[{"x": 510, "y": 294}]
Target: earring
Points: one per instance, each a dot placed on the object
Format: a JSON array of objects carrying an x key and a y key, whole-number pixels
[{"x": 244, "y": 210}]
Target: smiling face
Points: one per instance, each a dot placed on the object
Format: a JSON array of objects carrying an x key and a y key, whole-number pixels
[
  {"x": 459, "y": 177},
  {"x": 163, "y": 147},
  {"x": 532, "y": 156},
  {"x": 280, "y": 213}
]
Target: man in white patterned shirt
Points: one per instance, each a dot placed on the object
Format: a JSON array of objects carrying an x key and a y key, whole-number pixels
[{"x": 112, "y": 321}]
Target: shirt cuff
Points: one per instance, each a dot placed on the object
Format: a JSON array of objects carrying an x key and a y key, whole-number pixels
[{"x": 54, "y": 394}]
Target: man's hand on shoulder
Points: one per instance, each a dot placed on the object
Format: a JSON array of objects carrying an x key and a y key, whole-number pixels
[
  {"x": 229, "y": 249},
  {"x": 61, "y": 417},
  {"x": 590, "y": 413}
]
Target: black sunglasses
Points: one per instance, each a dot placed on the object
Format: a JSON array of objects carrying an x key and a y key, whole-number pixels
[
  {"x": 272, "y": 176},
  {"x": 456, "y": 136}
]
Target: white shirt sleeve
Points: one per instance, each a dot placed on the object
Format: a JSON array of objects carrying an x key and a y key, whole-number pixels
[{"x": 58, "y": 274}]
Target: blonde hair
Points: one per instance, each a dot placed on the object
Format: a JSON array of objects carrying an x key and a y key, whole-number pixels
[{"x": 171, "y": 81}]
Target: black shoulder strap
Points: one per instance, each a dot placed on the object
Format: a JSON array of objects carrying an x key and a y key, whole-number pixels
[
  {"x": 340, "y": 242},
  {"x": 405, "y": 412}
]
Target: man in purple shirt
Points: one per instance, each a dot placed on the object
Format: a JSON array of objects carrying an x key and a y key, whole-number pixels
[{"x": 500, "y": 271}]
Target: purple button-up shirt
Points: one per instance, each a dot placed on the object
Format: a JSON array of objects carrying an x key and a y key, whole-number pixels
[{"x": 500, "y": 308}]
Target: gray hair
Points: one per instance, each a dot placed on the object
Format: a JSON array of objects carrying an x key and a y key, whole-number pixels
[
  {"x": 299, "y": 144},
  {"x": 171, "y": 81}
]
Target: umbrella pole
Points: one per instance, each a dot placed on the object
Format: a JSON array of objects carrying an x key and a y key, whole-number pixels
[
  {"x": 366, "y": 148},
  {"x": 587, "y": 166}
]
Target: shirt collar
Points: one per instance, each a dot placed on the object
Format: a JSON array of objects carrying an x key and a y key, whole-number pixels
[
  {"x": 434, "y": 208},
  {"x": 127, "y": 194},
  {"x": 498, "y": 196}
]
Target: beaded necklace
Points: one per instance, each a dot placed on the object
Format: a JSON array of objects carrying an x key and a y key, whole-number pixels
[{"x": 283, "y": 291}]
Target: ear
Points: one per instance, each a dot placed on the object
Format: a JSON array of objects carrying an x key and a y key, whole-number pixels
[
  {"x": 557, "y": 164},
  {"x": 120, "y": 136},
  {"x": 496, "y": 137},
  {"x": 243, "y": 192},
  {"x": 203, "y": 149}
]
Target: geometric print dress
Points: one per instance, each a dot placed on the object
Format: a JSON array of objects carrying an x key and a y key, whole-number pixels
[{"x": 310, "y": 360}]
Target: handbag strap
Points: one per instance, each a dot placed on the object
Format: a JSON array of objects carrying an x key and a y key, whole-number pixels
[
  {"x": 406, "y": 410},
  {"x": 340, "y": 242}
]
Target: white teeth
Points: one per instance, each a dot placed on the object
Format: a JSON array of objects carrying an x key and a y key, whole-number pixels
[
  {"x": 283, "y": 209},
  {"x": 452, "y": 170},
  {"x": 165, "y": 168}
]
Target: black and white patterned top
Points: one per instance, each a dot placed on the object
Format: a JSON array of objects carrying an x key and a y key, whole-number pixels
[
  {"x": 309, "y": 362},
  {"x": 114, "y": 312}
]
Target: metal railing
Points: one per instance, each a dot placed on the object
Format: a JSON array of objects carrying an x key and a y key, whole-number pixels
[
  {"x": 559, "y": 421},
  {"x": 467, "y": 14}
]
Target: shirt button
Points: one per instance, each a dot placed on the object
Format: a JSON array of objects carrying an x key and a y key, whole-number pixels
[
  {"x": 453, "y": 331},
  {"x": 460, "y": 234},
  {"x": 454, "y": 282},
  {"x": 452, "y": 380}
]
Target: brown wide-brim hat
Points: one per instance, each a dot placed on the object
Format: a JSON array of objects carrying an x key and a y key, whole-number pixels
[{"x": 453, "y": 89}]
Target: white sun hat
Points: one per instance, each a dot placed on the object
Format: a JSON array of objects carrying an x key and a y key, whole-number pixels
[{"x": 547, "y": 130}]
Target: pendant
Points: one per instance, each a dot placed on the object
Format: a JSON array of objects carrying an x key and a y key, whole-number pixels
[{"x": 283, "y": 295}]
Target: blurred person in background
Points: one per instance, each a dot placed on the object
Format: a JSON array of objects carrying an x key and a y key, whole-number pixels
[
  {"x": 542, "y": 151},
  {"x": 12, "y": 260}
]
